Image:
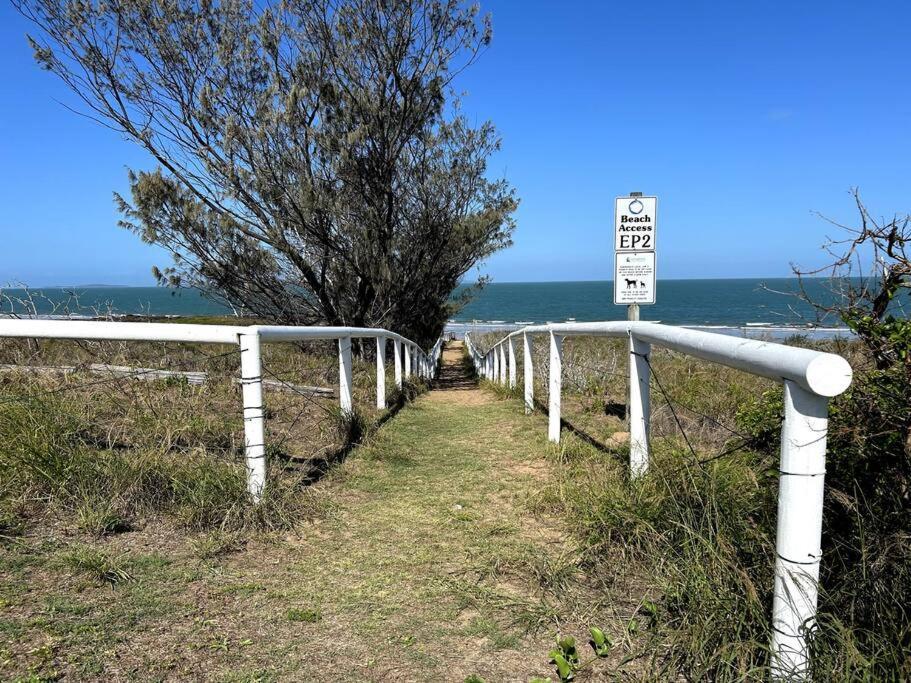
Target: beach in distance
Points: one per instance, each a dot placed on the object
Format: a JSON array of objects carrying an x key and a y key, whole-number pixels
[{"x": 735, "y": 303}]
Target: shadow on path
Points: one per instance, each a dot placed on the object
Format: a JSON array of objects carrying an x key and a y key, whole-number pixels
[{"x": 456, "y": 372}]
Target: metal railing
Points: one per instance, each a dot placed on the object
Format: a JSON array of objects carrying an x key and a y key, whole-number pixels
[
  {"x": 409, "y": 359},
  {"x": 810, "y": 379}
]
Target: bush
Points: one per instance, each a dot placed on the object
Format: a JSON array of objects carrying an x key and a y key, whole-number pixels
[{"x": 704, "y": 534}]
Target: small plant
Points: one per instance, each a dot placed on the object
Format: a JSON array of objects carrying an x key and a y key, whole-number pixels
[
  {"x": 411, "y": 388},
  {"x": 304, "y": 614},
  {"x": 217, "y": 543},
  {"x": 99, "y": 517},
  {"x": 97, "y": 564},
  {"x": 351, "y": 426},
  {"x": 759, "y": 419},
  {"x": 502, "y": 391},
  {"x": 565, "y": 657},
  {"x": 12, "y": 524}
]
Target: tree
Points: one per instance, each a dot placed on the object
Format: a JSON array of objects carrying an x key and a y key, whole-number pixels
[
  {"x": 869, "y": 276},
  {"x": 314, "y": 166}
]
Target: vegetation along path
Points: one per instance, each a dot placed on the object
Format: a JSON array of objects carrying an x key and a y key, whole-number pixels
[{"x": 431, "y": 554}]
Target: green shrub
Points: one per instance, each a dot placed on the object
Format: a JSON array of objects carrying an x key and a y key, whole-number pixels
[{"x": 759, "y": 420}]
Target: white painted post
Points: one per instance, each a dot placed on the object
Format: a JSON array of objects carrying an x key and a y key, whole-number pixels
[
  {"x": 397, "y": 353},
  {"x": 556, "y": 382},
  {"x": 344, "y": 374},
  {"x": 254, "y": 425},
  {"x": 799, "y": 538},
  {"x": 496, "y": 364},
  {"x": 512, "y": 363},
  {"x": 381, "y": 372},
  {"x": 407, "y": 361},
  {"x": 503, "y": 366},
  {"x": 528, "y": 371},
  {"x": 639, "y": 376}
]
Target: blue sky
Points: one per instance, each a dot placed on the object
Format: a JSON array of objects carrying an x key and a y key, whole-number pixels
[{"x": 744, "y": 119}]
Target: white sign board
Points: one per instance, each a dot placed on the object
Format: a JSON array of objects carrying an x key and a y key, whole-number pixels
[
  {"x": 635, "y": 223},
  {"x": 634, "y": 277}
]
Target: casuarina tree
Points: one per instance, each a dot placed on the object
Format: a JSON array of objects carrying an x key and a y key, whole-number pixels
[{"x": 313, "y": 163}]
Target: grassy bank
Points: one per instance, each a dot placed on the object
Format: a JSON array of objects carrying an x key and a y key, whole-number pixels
[
  {"x": 701, "y": 526},
  {"x": 108, "y": 451}
]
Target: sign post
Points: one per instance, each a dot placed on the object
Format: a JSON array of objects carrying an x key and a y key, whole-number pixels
[{"x": 635, "y": 231}]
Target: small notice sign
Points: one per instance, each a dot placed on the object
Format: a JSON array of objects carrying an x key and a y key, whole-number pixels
[
  {"x": 634, "y": 277},
  {"x": 635, "y": 223}
]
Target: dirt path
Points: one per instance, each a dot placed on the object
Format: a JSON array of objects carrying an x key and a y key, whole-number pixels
[{"x": 457, "y": 384}]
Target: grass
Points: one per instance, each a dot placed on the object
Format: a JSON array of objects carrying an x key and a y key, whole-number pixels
[
  {"x": 701, "y": 535},
  {"x": 108, "y": 453},
  {"x": 97, "y": 564},
  {"x": 454, "y": 541},
  {"x": 425, "y": 560}
]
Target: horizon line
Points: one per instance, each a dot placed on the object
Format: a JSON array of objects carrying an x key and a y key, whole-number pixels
[{"x": 464, "y": 282}]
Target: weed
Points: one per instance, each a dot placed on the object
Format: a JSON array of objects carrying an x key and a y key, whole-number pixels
[
  {"x": 217, "y": 543},
  {"x": 303, "y": 614},
  {"x": 565, "y": 657},
  {"x": 99, "y": 517},
  {"x": 411, "y": 388},
  {"x": 350, "y": 425},
  {"x": 97, "y": 564}
]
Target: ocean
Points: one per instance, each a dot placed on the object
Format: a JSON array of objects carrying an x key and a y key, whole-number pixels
[{"x": 733, "y": 303}]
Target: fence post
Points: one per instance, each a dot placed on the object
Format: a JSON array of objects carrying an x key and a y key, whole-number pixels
[
  {"x": 495, "y": 363},
  {"x": 528, "y": 372},
  {"x": 381, "y": 372},
  {"x": 639, "y": 410},
  {"x": 512, "y": 362},
  {"x": 556, "y": 382},
  {"x": 503, "y": 365},
  {"x": 344, "y": 374},
  {"x": 799, "y": 537},
  {"x": 407, "y": 360},
  {"x": 397, "y": 360},
  {"x": 251, "y": 382}
]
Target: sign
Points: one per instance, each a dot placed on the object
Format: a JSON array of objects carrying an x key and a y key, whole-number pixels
[
  {"x": 634, "y": 277},
  {"x": 635, "y": 223}
]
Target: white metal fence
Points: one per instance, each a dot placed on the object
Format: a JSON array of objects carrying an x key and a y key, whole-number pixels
[
  {"x": 409, "y": 359},
  {"x": 810, "y": 379}
]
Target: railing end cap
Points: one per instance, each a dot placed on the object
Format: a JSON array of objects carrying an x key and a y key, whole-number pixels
[{"x": 829, "y": 375}]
